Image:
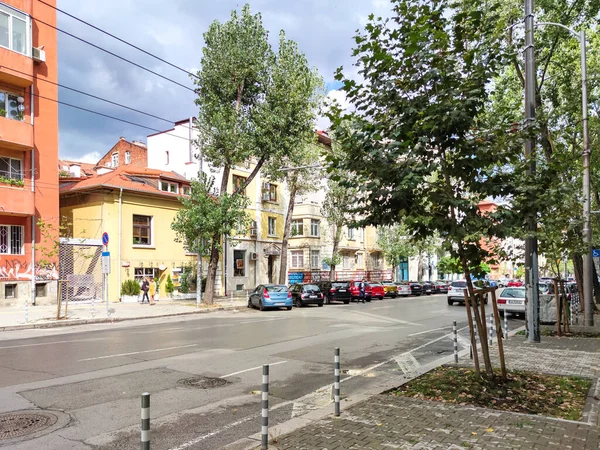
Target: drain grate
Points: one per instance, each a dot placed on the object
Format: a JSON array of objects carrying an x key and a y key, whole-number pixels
[
  {"x": 13, "y": 425},
  {"x": 203, "y": 382}
]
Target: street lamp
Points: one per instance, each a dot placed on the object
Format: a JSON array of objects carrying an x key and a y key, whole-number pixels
[{"x": 587, "y": 229}]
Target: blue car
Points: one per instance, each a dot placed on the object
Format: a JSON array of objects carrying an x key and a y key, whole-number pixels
[{"x": 270, "y": 296}]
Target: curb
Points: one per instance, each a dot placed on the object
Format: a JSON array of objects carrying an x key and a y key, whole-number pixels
[{"x": 57, "y": 324}]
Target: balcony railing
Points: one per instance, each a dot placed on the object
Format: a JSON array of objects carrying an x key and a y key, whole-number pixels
[{"x": 15, "y": 134}]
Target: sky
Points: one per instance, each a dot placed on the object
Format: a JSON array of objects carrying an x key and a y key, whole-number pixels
[{"x": 323, "y": 29}]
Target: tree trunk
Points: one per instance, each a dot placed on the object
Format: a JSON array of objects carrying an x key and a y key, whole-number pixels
[
  {"x": 199, "y": 275},
  {"x": 336, "y": 242},
  {"x": 578, "y": 269},
  {"x": 212, "y": 271},
  {"x": 286, "y": 235},
  {"x": 420, "y": 268}
]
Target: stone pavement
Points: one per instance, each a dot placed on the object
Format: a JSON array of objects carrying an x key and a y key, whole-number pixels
[
  {"x": 386, "y": 422},
  {"x": 12, "y": 318}
]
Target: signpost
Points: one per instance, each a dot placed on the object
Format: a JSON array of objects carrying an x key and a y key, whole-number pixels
[
  {"x": 596, "y": 253},
  {"x": 105, "y": 270}
]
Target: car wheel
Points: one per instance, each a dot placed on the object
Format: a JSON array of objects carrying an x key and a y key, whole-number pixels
[
  {"x": 320, "y": 304},
  {"x": 289, "y": 308},
  {"x": 485, "y": 301},
  {"x": 260, "y": 305},
  {"x": 417, "y": 295},
  {"x": 369, "y": 300},
  {"x": 501, "y": 313},
  {"x": 298, "y": 304},
  {"x": 394, "y": 296},
  {"x": 249, "y": 303},
  {"x": 346, "y": 302},
  {"x": 450, "y": 302},
  {"x": 328, "y": 301}
]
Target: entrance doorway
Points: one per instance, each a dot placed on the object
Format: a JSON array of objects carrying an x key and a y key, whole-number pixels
[{"x": 270, "y": 264}]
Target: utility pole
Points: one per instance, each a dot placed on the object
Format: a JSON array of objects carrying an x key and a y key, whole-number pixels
[{"x": 531, "y": 247}]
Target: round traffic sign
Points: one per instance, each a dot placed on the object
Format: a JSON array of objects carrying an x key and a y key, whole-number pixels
[{"x": 105, "y": 238}]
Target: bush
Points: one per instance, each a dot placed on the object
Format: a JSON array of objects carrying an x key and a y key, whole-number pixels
[
  {"x": 130, "y": 287},
  {"x": 184, "y": 286},
  {"x": 169, "y": 287}
]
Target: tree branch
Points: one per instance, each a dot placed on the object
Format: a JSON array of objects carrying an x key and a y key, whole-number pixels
[{"x": 258, "y": 166}]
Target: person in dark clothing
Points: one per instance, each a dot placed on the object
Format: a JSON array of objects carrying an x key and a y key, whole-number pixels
[
  {"x": 145, "y": 288},
  {"x": 362, "y": 287}
]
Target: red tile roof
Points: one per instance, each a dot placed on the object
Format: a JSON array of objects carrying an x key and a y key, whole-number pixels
[{"x": 87, "y": 169}]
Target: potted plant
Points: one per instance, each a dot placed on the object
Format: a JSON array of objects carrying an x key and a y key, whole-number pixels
[
  {"x": 169, "y": 287},
  {"x": 2, "y": 113},
  {"x": 130, "y": 291}
]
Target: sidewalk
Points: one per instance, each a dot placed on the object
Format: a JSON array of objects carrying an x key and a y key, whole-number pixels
[
  {"x": 13, "y": 318},
  {"x": 386, "y": 421}
]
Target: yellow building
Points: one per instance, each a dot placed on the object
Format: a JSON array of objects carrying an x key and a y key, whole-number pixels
[{"x": 136, "y": 207}]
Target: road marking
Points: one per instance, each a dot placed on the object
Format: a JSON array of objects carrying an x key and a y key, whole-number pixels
[
  {"x": 138, "y": 353},
  {"x": 388, "y": 319},
  {"x": 407, "y": 363},
  {"x": 54, "y": 342},
  {"x": 252, "y": 368},
  {"x": 428, "y": 331}
]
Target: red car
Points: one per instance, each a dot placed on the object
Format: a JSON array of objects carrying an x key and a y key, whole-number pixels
[
  {"x": 355, "y": 291},
  {"x": 377, "y": 290},
  {"x": 514, "y": 283}
]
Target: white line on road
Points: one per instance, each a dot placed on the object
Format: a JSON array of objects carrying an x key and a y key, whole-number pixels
[
  {"x": 388, "y": 319},
  {"x": 429, "y": 331},
  {"x": 74, "y": 341},
  {"x": 252, "y": 368},
  {"x": 138, "y": 353},
  {"x": 213, "y": 433}
]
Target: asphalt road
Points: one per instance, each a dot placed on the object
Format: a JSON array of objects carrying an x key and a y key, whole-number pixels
[{"x": 204, "y": 373}]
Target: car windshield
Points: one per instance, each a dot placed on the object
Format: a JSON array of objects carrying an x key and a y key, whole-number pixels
[
  {"x": 459, "y": 284},
  {"x": 340, "y": 285},
  {"x": 513, "y": 293},
  {"x": 311, "y": 287},
  {"x": 276, "y": 288}
]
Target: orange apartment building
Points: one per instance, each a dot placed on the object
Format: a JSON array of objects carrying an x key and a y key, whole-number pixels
[{"x": 28, "y": 152}]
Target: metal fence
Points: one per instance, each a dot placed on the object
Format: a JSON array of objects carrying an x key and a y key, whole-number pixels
[{"x": 80, "y": 271}]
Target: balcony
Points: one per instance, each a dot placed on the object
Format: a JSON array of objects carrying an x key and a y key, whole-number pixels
[
  {"x": 22, "y": 73},
  {"x": 16, "y": 200},
  {"x": 15, "y": 135}
]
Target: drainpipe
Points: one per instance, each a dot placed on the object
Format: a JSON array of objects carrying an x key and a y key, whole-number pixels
[
  {"x": 119, "y": 239},
  {"x": 33, "y": 228}
]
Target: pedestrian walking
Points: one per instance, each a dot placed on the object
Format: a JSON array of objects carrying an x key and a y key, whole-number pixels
[
  {"x": 152, "y": 291},
  {"x": 145, "y": 289},
  {"x": 362, "y": 289}
]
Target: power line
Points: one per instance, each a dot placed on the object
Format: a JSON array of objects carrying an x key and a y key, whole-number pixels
[
  {"x": 91, "y": 95},
  {"x": 119, "y": 39},
  {"x": 114, "y": 54},
  {"x": 108, "y": 116}
]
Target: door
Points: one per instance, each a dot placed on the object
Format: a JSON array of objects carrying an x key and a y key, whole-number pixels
[{"x": 270, "y": 264}]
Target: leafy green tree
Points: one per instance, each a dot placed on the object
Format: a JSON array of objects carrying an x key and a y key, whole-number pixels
[
  {"x": 449, "y": 265},
  {"x": 395, "y": 244},
  {"x": 421, "y": 147},
  {"x": 254, "y": 104}
]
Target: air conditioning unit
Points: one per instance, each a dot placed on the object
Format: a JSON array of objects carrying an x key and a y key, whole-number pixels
[
  {"x": 38, "y": 55},
  {"x": 266, "y": 197},
  {"x": 253, "y": 256}
]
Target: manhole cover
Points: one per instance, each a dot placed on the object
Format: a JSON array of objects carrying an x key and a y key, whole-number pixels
[
  {"x": 14, "y": 425},
  {"x": 203, "y": 382}
]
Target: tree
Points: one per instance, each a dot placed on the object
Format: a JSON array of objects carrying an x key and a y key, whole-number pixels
[
  {"x": 253, "y": 104},
  {"x": 395, "y": 243},
  {"x": 449, "y": 265},
  {"x": 421, "y": 148}
]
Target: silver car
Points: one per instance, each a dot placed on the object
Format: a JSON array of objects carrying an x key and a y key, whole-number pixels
[{"x": 512, "y": 299}]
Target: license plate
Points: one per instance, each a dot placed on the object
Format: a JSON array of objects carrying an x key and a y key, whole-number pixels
[
  {"x": 515, "y": 302},
  {"x": 313, "y": 296},
  {"x": 280, "y": 304},
  {"x": 342, "y": 290}
]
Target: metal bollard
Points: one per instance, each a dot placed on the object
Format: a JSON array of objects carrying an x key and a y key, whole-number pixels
[
  {"x": 455, "y": 342},
  {"x": 145, "y": 421},
  {"x": 336, "y": 380},
  {"x": 265, "y": 407},
  {"x": 505, "y": 325},
  {"x": 491, "y": 329}
]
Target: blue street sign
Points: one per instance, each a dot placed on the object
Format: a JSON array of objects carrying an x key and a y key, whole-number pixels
[
  {"x": 596, "y": 253},
  {"x": 105, "y": 238}
]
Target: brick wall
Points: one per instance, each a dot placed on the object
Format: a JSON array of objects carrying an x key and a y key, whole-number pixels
[{"x": 138, "y": 154}]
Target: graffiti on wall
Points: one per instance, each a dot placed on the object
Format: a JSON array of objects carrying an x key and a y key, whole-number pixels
[{"x": 16, "y": 269}]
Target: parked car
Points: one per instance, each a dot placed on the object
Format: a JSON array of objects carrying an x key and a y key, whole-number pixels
[
  {"x": 355, "y": 291},
  {"x": 514, "y": 283},
  {"x": 377, "y": 290},
  {"x": 391, "y": 290},
  {"x": 456, "y": 293},
  {"x": 306, "y": 294},
  {"x": 427, "y": 287},
  {"x": 512, "y": 299},
  {"x": 335, "y": 291},
  {"x": 270, "y": 296},
  {"x": 415, "y": 288},
  {"x": 440, "y": 287},
  {"x": 502, "y": 282},
  {"x": 403, "y": 288}
]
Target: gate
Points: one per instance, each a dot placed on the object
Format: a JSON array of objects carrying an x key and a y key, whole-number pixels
[{"x": 80, "y": 270}]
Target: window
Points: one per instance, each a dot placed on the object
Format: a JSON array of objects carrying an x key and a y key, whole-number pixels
[
  {"x": 299, "y": 199},
  {"x": 239, "y": 263},
  {"x": 272, "y": 226},
  {"x": 347, "y": 262},
  {"x": 127, "y": 157},
  {"x": 13, "y": 109},
  {"x": 10, "y": 290},
  {"x": 297, "y": 259},
  {"x": 115, "y": 160},
  {"x": 351, "y": 234},
  {"x": 169, "y": 187},
  {"x": 139, "y": 273},
  {"x": 187, "y": 190},
  {"x": 238, "y": 182},
  {"x": 376, "y": 260},
  {"x": 297, "y": 227},
  {"x": 142, "y": 230},
  {"x": 15, "y": 30},
  {"x": 273, "y": 192},
  {"x": 40, "y": 289},
  {"x": 360, "y": 260},
  {"x": 11, "y": 240},
  {"x": 11, "y": 168},
  {"x": 315, "y": 227},
  {"x": 315, "y": 259},
  {"x": 253, "y": 228}
]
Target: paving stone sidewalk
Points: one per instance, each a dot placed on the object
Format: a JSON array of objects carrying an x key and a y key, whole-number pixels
[{"x": 389, "y": 422}]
